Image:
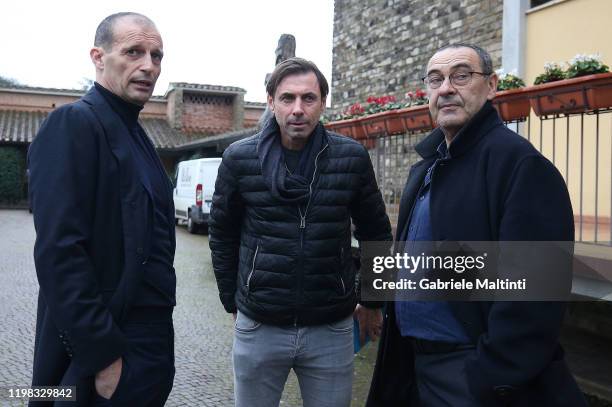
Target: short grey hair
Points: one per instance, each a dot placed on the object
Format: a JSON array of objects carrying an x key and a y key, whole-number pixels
[
  {"x": 104, "y": 33},
  {"x": 486, "y": 64}
]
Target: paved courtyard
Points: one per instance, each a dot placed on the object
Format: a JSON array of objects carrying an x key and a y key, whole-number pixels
[{"x": 203, "y": 329}]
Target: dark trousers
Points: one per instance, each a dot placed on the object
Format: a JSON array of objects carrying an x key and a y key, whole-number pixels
[
  {"x": 441, "y": 378},
  {"x": 147, "y": 373}
]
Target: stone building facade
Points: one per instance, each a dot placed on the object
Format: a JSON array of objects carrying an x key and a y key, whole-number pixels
[{"x": 382, "y": 46}]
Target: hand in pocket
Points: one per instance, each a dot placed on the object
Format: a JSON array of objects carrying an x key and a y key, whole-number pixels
[{"x": 107, "y": 379}]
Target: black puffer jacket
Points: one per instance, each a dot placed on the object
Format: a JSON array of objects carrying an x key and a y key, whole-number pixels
[{"x": 276, "y": 268}]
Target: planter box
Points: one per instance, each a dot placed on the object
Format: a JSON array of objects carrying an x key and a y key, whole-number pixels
[
  {"x": 512, "y": 104},
  {"x": 399, "y": 121},
  {"x": 600, "y": 95},
  {"x": 383, "y": 123},
  {"x": 576, "y": 95},
  {"x": 352, "y": 128},
  {"x": 417, "y": 118}
]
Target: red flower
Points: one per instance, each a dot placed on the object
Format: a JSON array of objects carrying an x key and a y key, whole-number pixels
[{"x": 355, "y": 109}]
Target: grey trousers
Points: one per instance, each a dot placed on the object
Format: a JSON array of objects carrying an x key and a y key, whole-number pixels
[{"x": 321, "y": 356}]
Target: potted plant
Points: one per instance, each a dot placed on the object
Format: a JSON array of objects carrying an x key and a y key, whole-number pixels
[
  {"x": 582, "y": 65},
  {"x": 586, "y": 85},
  {"x": 381, "y": 117},
  {"x": 398, "y": 117},
  {"x": 417, "y": 117},
  {"x": 552, "y": 72},
  {"x": 348, "y": 122},
  {"x": 510, "y": 100},
  {"x": 599, "y": 95}
]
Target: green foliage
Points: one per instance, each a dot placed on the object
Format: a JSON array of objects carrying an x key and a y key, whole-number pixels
[
  {"x": 417, "y": 97},
  {"x": 354, "y": 110},
  {"x": 12, "y": 174},
  {"x": 377, "y": 104},
  {"x": 382, "y": 104},
  {"x": 582, "y": 65},
  {"x": 509, "y": 81},
  {"x": 552, "y": 72},
  {"x": 8, "y": 82}
]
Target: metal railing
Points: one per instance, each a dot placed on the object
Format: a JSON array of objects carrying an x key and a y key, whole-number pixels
[{"x": 579, "y": 145}]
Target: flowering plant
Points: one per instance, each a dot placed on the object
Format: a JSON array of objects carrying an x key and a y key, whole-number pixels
[
  {"x": 416, "y": 98},
  {"x": 382, "y": 104},
  {"x": 552, "y": 72},
  {"x": 582, "y": 65},
  {"x": 353, "y": 110},
  {"x": 509, "y": 80}
]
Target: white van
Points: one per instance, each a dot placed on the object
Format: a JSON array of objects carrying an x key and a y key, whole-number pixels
[{"x": 195, "y": 184}]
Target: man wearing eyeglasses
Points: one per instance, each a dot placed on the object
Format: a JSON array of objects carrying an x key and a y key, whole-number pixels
[{"x": 477, "y": 181}]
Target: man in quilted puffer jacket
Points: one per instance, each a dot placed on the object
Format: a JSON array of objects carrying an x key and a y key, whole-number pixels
[{"x": 280, "y": 236}]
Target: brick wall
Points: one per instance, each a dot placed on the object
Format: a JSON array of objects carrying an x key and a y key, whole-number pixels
[
  {"x": 251, "y": 116},
  {"x": 155, "y": 108},
  {"x": 15, "y": 100},
  {"x": 207, "y": 113},
  {"x": 382, "y": 46}
]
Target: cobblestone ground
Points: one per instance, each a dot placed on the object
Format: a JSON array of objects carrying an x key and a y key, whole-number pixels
[{"x": 203, "y": 330}]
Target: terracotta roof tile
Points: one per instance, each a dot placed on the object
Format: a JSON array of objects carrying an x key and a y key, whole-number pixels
[{"x": 161, "y": 134}]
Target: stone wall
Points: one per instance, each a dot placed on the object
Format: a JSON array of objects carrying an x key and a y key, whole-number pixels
[{"x": 381, "y": 47}]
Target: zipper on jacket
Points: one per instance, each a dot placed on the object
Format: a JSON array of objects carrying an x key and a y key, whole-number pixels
[
  {"x": 302, "y": 227},
  {"x": 248, "y": 283},
  {"x": 341, "y": 268},
  {"x": 302, "y": 218},
  {"x": 314, "y": 175},
  {"x": 301, "y": 275}
]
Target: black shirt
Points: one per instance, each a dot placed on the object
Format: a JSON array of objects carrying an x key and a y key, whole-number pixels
[{"x": 292, "y": 159}]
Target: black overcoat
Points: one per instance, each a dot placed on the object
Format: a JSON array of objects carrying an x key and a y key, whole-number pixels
[
  {"x": 93, "y": 214},
  {"x": 495, "y": 187}
]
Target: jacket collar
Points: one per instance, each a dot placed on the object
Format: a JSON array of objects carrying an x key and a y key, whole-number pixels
[
  {"x": 470, "y": 134},
  {"x": 116, "y": 134}
]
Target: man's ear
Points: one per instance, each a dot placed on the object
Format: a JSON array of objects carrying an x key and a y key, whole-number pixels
[
  {"x": 492, "y": 82},
  {"x": 96, "y": 55},
  {"x": 271, "y": 103}
]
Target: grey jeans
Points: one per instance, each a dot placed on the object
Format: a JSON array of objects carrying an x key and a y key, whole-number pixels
[{"x": 321, "y": 356}]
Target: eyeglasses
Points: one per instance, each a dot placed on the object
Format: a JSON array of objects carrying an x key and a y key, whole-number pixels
[{"x": 457, "y": 79}]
